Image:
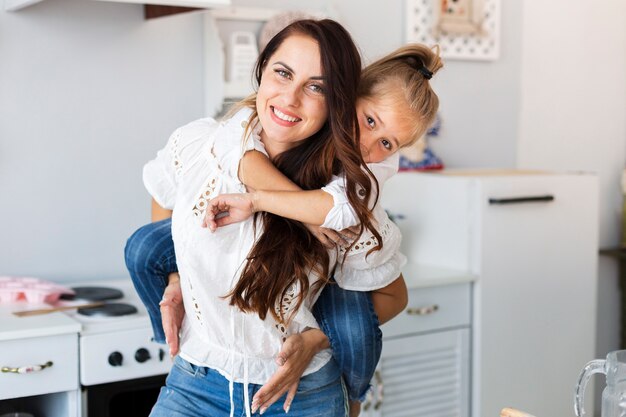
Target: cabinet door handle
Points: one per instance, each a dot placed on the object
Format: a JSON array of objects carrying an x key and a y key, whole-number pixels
[
  {"x": 422, "y": 311},
  {"x": 517, "y": 200},
  {"x": 26, "y": 369}
]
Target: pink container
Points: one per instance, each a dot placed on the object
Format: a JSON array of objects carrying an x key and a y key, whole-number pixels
[{"x": 30, "y": 290}]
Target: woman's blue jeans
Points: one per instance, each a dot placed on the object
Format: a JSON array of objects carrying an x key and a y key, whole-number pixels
[
  {"x": 193, "y": 391},
  {"x": 346, "y": 317}
]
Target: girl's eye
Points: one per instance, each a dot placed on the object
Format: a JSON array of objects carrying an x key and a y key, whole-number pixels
[
  {"x": 386, "y": 144},
  {"x": 370, "y": 122}
]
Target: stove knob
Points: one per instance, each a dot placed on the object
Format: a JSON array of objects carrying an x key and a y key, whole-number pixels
[
  {"x": 142, "y": 355},
  {"x": 115, "y": 359}
]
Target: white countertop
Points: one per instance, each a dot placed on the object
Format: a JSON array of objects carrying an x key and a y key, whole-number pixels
[
  {"x": 14, "y": 327},
  {"x": 420, "y": 275}
]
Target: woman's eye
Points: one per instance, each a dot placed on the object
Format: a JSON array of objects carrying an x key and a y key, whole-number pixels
[
  {"x": 316, "y": 88},
  {"x": 386, "y": 144},
  {"x": 283, "y": 73},
  {"x": 370, "y": 122}
]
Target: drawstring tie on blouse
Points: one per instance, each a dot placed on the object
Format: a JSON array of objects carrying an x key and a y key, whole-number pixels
[{"x": 246, "y": 377}]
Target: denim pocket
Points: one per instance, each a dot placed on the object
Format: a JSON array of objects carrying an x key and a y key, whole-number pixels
[{"x": 186, "y": 367}]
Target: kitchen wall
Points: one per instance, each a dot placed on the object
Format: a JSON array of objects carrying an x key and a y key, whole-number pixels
[{"x": 88, "y": 92}]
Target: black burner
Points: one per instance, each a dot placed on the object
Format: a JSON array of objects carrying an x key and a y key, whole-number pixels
[
  {"x": 108, "y": 310},
  {"x": 93, "y": 294}
]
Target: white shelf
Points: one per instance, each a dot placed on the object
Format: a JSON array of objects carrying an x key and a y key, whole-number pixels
[
  {"x": 256, "y": 14},
  {"x": 14, "y": 5},
  {"x": 217, "y": 90},
  {"x": 178, "y": 3}
]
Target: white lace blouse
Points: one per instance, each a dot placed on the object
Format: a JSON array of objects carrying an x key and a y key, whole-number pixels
[{"x": 199, "y": 162}]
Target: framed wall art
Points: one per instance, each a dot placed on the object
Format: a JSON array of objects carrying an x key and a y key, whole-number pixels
[{"x": 463, "y": 29}]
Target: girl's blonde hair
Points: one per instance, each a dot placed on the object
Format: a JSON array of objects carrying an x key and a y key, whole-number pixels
[{"x": 403, "y": 76}]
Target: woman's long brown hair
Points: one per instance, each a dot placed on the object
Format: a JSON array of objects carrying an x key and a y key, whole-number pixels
[{"x": 286, "y": 252}]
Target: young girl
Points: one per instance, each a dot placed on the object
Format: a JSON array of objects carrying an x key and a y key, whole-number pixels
[
  {"x": 239, "y": 311},
  {"x": 395, "y": 106}
]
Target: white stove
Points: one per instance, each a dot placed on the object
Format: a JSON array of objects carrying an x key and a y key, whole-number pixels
[{"x": 113, "y": 349}]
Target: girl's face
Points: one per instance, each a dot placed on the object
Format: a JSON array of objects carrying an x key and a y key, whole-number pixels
[
  {"x": 384, "y": 127},
  {"x": 290, "y": 101}
]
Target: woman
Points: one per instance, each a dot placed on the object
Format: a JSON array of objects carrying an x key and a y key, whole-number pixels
[
  {"x": 395, "y": 106},
  {"x": 238, "y": 316}
]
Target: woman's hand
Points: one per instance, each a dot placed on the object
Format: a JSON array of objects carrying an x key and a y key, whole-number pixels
[
  {"x": 293, "y": 359},
  {"x": 226, "y": 209},
  {"x": 172, "y": 312}
]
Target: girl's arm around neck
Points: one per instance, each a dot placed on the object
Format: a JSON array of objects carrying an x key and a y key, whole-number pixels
[
  {"x": 273, "y": 192},
  {"x": 309, "y": 207}
]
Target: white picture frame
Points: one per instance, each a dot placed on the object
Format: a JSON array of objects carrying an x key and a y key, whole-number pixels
[{"x": 469, "y": 33}]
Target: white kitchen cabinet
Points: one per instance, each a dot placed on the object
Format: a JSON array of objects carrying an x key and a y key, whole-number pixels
[
  {"x": 425, "y": 363},
  {"x": 28, "y": 342},
  {"x": 531, "y": 239}
]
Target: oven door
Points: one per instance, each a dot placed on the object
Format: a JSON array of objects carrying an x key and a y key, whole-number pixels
[{"x": 133, "y": 397}]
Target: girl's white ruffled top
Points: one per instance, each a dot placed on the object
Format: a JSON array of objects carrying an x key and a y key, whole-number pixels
[
  {"x": 199, "y": 162},
  {"x": 362, "y": 270}
]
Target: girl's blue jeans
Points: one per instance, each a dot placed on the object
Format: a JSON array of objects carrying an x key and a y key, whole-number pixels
[{"x": 346, "y": 317}]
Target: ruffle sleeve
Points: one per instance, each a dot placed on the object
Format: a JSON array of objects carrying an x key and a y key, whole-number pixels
[
  {"x": 160, "y": 175},
  {"x": 342, "y": 215},
  {"x": 360, "y": 271}
]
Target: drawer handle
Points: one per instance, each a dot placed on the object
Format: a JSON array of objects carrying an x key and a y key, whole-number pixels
[
  {"x": 517, "y": 200},
  {"x": 422, "y": 311},
  {"x": 26, "y": 369}
]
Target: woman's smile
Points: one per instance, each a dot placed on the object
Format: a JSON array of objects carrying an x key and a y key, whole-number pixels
[{"x": 284, "y": 117}]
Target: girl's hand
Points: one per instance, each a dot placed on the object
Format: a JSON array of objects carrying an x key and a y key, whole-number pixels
[
  {"x": 331, "y": 238},
  {"x": 226, "y": 209},
  {"x": 172, "y": 312},
  {"x": 293, "y": 359}
]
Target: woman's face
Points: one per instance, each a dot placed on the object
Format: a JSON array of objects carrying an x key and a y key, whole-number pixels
[
  {"x": 290, "y": 101},
  {"x": 384, "y": 127}
]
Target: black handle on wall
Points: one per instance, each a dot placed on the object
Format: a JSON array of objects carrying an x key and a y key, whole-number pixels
[{"x": 517, "y": 200}]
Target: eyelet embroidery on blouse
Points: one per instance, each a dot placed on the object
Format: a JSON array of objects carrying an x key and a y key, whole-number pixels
[
  {"x": 178, "y": 166},
  {"x": 209, "y": 189},
  {"x": 368, "y": 241},
  {"x": 196, "y": 307},
  {"x": 286, "y": 305}
]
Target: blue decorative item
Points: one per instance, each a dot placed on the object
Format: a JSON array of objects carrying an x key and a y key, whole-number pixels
[{"x": 419, "y": 156}]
